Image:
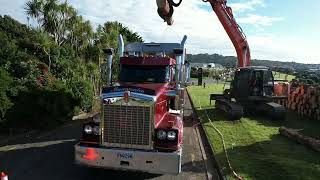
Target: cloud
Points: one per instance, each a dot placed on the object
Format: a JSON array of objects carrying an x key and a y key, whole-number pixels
[
  {"x": 202, "y": 27},
  {"x": 248, "y": 5},
  {"x": 205, "y": 32},
  {"x": 258, "y": 20},
  {"x": 269, "y": 46}
]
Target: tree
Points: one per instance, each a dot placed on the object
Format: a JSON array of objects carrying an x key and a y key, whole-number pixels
[
  {"x": 81, "y": 35},
  {"x": 51, "y": 16},
  {"x": 54, "y": 67},
  {"x": 34, "y": 9},
  {"x": 46, "y": 45},
  {"x": 5, "y": 87},
  {"x": 94, "y": 76},
  {"x": 107, "y": 37}
]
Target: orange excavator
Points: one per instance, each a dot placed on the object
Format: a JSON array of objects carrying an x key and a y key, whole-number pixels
[{"x": 252, "y": 89}]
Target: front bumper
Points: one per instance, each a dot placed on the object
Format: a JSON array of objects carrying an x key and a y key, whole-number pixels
[{"x": 128, "y": 159}]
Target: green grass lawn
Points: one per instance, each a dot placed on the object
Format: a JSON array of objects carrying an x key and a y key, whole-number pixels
[
  {"x": 204, "y": 78},
  {"x": 282, "y": 76},
  {"x": 256, "y": 149}
]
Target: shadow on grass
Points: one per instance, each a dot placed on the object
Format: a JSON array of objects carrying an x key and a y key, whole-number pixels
[
  {"x": 278, "y": 159},
  {"x": 307, "y": 126}
]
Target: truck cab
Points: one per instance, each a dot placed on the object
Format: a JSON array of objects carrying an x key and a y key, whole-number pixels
[{"x": 140, "y": 126}]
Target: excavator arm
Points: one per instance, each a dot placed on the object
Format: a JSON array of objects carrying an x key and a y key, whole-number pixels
[{"x": 225, "y": 16}]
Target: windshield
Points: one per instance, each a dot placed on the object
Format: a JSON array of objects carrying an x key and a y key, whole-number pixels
[{"x": 149, "y": 74}]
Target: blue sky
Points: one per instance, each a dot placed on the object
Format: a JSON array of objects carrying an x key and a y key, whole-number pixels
[
  {"x": 285, "y": 30},
  {"x": 300, "y": 17}
]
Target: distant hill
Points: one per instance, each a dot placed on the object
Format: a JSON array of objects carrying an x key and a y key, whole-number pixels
[{"x": 230, "y": 61}]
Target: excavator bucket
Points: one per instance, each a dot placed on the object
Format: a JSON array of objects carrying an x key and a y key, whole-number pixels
[{"x": 165, "y": 11}]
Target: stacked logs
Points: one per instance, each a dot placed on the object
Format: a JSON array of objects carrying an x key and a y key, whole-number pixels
[
  {"x": 282, "y": 89},
  {"x": 305, "y": 100}
]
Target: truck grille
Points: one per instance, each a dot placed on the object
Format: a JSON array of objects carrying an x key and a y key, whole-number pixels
[{"x": 127, "y": 126}]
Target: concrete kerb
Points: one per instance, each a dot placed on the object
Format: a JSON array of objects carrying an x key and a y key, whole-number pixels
[{"x": 207, "y": 151}]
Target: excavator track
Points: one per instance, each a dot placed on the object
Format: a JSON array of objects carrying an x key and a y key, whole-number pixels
[
  {"x": 273, "y": 110},
  {"x": 233, "y": 110}
]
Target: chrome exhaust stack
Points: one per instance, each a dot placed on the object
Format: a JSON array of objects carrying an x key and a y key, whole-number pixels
[
  {"x": 185, "y": 65},
  {"x": 187, "y": 73},
  {"x": 179, "y": 69},
  {"x": 183, "y": 43},
  {"x": 179, "y": 100},
  {"x": 121, "y": 45},
  {"x": 109, "y": 56}
]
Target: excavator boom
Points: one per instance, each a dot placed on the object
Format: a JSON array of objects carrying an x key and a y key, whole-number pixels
[
  {"x": 225, "y": 15},
  {"x": 248, "y": 88},
  {"x": 233, "y": 30}
]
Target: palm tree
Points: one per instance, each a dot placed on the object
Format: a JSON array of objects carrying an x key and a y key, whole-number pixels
[
  {"x": 81, "y": 34},
  {"x": 52, "y": 16},
  {"x": 67, "y": 15},
  {"x": 50, "y": 20},
  {"x": 45, "y": 44},
  {"x": 33, "y": 9}
]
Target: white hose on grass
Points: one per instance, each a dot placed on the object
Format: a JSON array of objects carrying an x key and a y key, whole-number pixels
[{"x": 223, "y": 142}]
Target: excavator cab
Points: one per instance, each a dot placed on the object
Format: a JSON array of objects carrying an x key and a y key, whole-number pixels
[
  {"x": 252, "y": 90},
  {"x": 252, "y": 82}
]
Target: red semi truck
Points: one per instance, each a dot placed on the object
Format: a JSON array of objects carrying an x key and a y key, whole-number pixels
[{"x": 140, "y": 126}]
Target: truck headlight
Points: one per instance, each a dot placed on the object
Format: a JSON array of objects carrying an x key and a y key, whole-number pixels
[
  {"x": 171, "y": 135},
  {"x": 96, "y": 130},
  {"x": 161, "y": 134},
  {"x": 88, "y": 129}
]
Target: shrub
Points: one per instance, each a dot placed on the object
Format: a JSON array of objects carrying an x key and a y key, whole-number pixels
[
  {"x": 5, "y": 87},
  {"x": 83, "y": 92},
  {"x": 42, "y": 107}
]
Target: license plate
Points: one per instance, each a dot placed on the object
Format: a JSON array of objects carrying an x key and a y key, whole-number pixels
[{"x": 125, "y": 155}]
